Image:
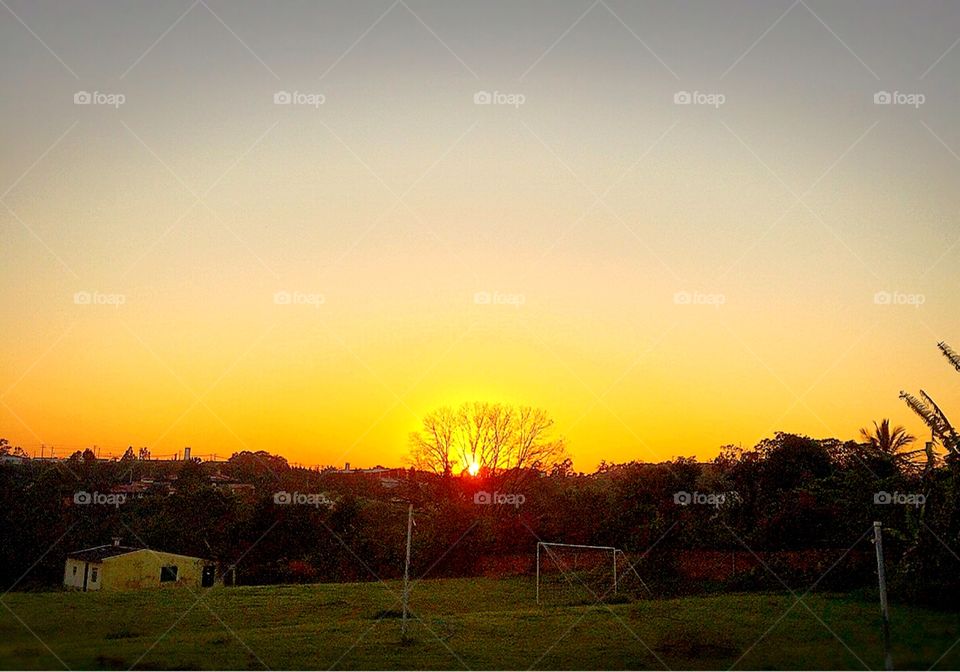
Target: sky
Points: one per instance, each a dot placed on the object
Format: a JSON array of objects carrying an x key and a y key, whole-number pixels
[{"x": 300, "y": 226}]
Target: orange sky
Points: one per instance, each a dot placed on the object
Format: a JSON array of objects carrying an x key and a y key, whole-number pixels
[{"x": 664, "y": 279}]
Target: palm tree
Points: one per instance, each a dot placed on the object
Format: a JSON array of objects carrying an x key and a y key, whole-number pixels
[
  {"x": 891, "y": 443},
  {"x": 887, "y": 441}
]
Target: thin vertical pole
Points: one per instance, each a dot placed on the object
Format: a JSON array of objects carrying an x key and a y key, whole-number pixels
[
  {"x": 614, "y": 571},
  {"x": 406, "y": 571},
  {"x": 884, "y": 606},
  {"x": 538, "y": 572}
]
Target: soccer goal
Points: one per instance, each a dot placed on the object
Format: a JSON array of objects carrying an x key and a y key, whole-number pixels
[{"x": 577, "y": 573}]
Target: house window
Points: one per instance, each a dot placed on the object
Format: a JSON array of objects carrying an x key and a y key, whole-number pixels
[
  {"x": 93, "y": 574},
  {"x": 74, "y": 570},
  {"x": 168, "y": 573}
]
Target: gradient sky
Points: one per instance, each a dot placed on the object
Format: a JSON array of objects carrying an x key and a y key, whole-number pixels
[{"x": 591, "y": 211}]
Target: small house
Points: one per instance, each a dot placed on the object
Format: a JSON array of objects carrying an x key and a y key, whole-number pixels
[{"x": 116, "y": 567}]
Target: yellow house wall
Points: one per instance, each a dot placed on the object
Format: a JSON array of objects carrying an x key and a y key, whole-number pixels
[{"x": 141, "y": 569}]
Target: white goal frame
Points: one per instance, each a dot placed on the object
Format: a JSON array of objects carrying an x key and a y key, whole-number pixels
[
  {"x": 546, "y": 544},
  {"x": 612, "y": 549}
]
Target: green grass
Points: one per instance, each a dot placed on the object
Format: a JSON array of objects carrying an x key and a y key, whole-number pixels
[{"x": 475, "y": 623}]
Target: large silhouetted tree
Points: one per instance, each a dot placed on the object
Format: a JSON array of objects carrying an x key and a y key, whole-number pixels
[
  {"x": 432, "y": 447},
  {"x": 489, "y": 438}
]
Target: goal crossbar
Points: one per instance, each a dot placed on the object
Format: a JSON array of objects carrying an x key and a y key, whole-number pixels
[{"x": 597, "y": 548}]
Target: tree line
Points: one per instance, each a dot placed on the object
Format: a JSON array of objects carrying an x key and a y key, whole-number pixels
[{"x": 788, "y": 497}]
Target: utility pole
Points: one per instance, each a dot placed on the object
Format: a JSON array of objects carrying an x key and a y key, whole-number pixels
[
  {"x": 406, "y": 572},
  {"x": 884, "y": 607}
]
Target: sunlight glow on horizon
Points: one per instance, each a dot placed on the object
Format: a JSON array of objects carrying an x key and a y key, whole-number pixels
[{"x": 641, "y": 270}]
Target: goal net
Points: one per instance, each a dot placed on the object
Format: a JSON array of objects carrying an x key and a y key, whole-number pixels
[
  {"x": 575, "y": 574},
  {"x": 580, "y": 574}
]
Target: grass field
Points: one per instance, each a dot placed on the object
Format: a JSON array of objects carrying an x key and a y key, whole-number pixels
[{"x": 461, "y": 623}]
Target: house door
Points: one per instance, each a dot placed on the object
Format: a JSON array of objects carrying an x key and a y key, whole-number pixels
[
  {"x": 86, "y": 571},
  {"x": 207, "y": 576}
]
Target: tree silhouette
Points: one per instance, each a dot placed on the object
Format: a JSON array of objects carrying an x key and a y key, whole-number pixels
[
  {"x": 928, "y": 410},
  {"x": 491, "y": 439},
  {"x": 890, "y": 443}
]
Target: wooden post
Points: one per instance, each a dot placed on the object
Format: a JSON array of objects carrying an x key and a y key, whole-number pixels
[
  {"x": 884, "y": 607},
  {"x": 406, "y": 572}
]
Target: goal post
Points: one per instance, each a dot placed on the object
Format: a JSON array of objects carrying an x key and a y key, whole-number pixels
[{"x": 582, "y": 573}]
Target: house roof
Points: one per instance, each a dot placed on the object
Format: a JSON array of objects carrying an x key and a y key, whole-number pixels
[
  {"x": 101, "y": 553},
  {"x": 107, "y": 551}
]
